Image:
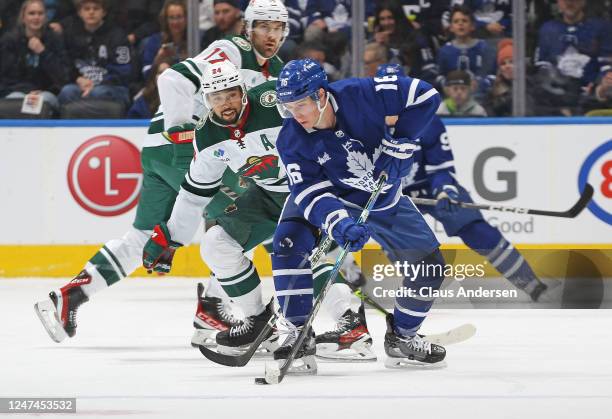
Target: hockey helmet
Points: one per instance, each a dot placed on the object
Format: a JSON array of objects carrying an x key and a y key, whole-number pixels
[
  {"x": 270, "y": 10},
  {"x": 222, "y": 75}
]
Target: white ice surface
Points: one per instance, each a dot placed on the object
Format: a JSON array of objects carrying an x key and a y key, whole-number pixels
[{"x": 131, "y": 358}]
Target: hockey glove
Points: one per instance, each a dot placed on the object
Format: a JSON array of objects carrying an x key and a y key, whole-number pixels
[
  {"x": 159, "y": 250},
  {"x": 447, "y": 197},
  {"x": 395, "y": 158},
  {"x": 348, "y": 231}
]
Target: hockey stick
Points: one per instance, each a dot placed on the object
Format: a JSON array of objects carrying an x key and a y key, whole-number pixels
[
  {"x": 276, "y": 376},
  {"x": 455, "y": 335},
  {"x": 583, "y": 201},
  {"x": 244, "y": 358}
]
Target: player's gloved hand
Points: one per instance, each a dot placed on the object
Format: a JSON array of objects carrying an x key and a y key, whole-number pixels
[
  {"x": 395, "y": 158},
  {"x": 447, "y": 197},
  {"x": 348, "y": 231},
  {"x": 159, "y": 250}
]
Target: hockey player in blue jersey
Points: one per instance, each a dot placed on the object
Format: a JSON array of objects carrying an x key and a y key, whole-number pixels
[
  {"x": 433, "y": 176},
  {"x": 334, "y": 145}
]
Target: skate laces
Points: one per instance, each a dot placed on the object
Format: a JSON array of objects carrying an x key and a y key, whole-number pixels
[
  {"x": 225, "y": 316},
  {"x": 417, "y": 343},
  {"x": 242, "y": 328},
  {"x": 289, "y": 330},
  {"x": 343, "y": 323}
]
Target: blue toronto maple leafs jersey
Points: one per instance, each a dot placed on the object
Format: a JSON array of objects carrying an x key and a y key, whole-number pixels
[
  {"x": 477, "y": 58},
  {"x": 332, "y": 169},
  {"x": 433, "y": 165},
  {"x": 563, "y": 45}
]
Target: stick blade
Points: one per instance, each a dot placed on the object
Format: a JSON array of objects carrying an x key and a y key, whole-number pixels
[{"x": 585, "y": 198}]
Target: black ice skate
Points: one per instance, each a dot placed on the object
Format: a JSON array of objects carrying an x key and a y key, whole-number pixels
[
  {"x": 350, "y": 341},
  {"x": 304, "y": 362},
  {"x": 58, "y": 313},
  {"x": 406, "y": 351},
  {"x": 238, "y": 338},
  {"x": 535, "y": 290},
  {"x": 211, "y": 317}
]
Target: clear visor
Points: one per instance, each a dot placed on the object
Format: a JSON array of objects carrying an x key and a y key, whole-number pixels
[
  {"x": 290, "y": 109},
  {"x": 221, "y": 97}
]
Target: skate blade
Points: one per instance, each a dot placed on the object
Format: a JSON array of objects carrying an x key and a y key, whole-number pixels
[
  {"x": 45, "y": 310},
  {"x": 307, "y": 365},
  {"x": 355, "y": 354},
  {"x": 267, "y": 348},
  {"x": 406, "y": 363},
  {"x": 204, "y": 337}
]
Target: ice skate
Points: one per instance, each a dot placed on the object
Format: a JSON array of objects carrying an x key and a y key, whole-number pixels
[
  {"x": 350, "y": 341},
  {"x": 412, "y": 351},
  {"x": 211, "y": 318},
  {"x": 58, "y": 313},
  {"x": 304, "y": 362},
  {"x": 238, "y": 338}
]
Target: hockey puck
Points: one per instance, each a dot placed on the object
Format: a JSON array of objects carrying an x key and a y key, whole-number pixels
[{"x": 260, "y": 381}]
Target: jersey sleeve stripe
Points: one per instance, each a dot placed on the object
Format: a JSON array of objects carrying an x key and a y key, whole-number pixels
[
  {"x": 194, "y": 66},
  {"x": 314, "y": 201},
  {"x": 184, "y": 71},
  {"x": 202, "y": 184},
  {"x": 412, "y": 91},
  {"x": 310, "y": 189},
  {"x": 431, "y": 92},
  {"x": 204, "y": 193},
  {"x": 445, "y": 165}
]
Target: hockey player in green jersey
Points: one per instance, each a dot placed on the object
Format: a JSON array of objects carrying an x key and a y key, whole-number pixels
[{"x": 166, "y": 153}]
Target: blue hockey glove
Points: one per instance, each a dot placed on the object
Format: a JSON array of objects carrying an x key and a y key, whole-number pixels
[
  {"x": 348, "y": 231},
  {"x": 159, "y": 250},
  {"x": 395, "y": 158},
  {"x": 447, "y": 197}
]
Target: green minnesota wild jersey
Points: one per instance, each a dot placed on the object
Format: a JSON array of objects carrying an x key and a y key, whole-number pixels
[
  {"x": 248, "y": 149},
  {"x": 182, "y": 104}
]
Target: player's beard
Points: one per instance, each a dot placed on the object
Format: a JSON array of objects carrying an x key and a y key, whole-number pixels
[{"x": 229, "y": 115}]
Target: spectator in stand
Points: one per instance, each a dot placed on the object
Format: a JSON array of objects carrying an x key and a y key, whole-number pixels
[
  {"x": 228, "y": 21},
  {"x": 430, "y": 17},
  {"x": 458, "y": 96},
  {"x": 405, "y": 43},
  {"x": 142, "y": 19},
  {"x": 297, "y": 19},
  {"x": 171, "y": 42},
  {"x": 374, "y": 55},
  {"x": 499, "y": 100},
  {"x": 146, "y": 101},
  {"x": 330, "y": 16},
  {"x": 99, "y": 55},
  {"x": 33, "y": 58},
  {"x": 317, "y": 52},
  {"x": 573, "y": 54},
  {"x": 466, "y": 53},
  {"x": 492, "y": 18},
  {"x": 9, "y": 10}
]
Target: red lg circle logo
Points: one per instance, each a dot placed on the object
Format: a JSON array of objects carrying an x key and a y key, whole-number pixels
[{"x": 105, "y": 176}]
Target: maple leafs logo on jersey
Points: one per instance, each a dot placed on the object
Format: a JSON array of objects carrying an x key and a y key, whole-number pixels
[
  {"x": 323, "y": 159},
  {"x": 360, "y": 165}
]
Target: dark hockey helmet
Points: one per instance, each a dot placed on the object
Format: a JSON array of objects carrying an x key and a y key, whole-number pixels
[{"x": 299, "y": 79}]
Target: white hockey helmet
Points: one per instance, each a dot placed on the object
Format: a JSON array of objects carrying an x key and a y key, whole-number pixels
[
  {"x": 271, "y": 10},
  {"x": 222, "y": 75}
]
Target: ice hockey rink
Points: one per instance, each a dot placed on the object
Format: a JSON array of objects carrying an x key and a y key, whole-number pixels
[{"x": 132, "y": 358}]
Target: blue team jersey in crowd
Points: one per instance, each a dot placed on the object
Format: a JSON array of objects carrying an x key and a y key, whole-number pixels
[
  {"x": 333, "y": 168},
  {"x": 581, "y": 51},
  {"x": 477, "y": 58},
  {"x": 433, "y": 165}
]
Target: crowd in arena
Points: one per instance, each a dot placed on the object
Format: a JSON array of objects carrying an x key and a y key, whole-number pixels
[{"x": 101, "y": 58}]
